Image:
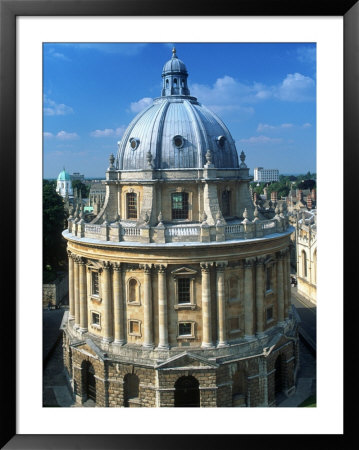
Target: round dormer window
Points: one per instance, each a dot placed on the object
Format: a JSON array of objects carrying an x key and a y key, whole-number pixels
[
  {"x": 221, "y": 140},
  {"x": 134, "y": 143},
  {"x": 178, "y": 141}
]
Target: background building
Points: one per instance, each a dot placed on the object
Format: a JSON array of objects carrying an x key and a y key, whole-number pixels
[
  {"x": 64, "y": 186},
  {"x": 265, "y": 175},
  {"x": 179, "y": 288}
]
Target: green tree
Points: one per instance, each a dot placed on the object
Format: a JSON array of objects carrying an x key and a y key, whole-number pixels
[{"x": 53, "y": 220}]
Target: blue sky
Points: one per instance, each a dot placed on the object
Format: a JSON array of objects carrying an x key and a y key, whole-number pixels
[{"x": 265, "y": 94}]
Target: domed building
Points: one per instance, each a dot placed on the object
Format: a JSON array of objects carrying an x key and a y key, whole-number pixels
[
  {"x": 64, "y": 185},
  {"x": 179, "y": 289}
]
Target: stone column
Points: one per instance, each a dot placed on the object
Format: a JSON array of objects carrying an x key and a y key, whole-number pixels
[
  {"x": 206, "y": 305},
  {"x": 248, "y": 299},
  {"x": 162, "y": 308},
  {"x": 71, "y": 287},
  {"x": 221, "y": 304},
  {"x": 76, "y": 292},
  {"x": 118, "y": 318},
  {"x": 106, "y": 299},
  {"x": 280, "y": 288},
  {"x": 83, "y": 295},
  {"x": 289, "y": 290},
  {"x": 147, "y": 306},
  {"x": 260, "y": 296}
]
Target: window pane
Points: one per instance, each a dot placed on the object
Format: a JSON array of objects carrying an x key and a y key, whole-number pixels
[
  {"x": 185, "y": 329},
  {"x": 180, "y": 205},
  {"x": 184, "y": 290},
  {"x": 131, "y": 205},
  {"x": 95, "y": 290}
]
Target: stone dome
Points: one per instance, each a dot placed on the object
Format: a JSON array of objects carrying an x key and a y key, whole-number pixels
[{"x": 176, "y": 131}]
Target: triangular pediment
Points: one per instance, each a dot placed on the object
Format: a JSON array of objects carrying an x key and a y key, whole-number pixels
[
  {"x": 187, "y": 361},
  {"x": 183, "y": 271}
]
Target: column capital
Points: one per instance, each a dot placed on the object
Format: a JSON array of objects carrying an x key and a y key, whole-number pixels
[
  {"x": 69, "y": 253},
  {"x": 206, "y": 266},
  {"x": 106, "y": 265},
  {"x": 221, "y": 266},
  {"x": 249, "y": 262},
  {"x": 147, "y": 268},
  {"x": 117, "y": 267},
  {"x": 161, "y": 268},
  {"x": 260, "y": 261},
  {"x": 80, "y": 260}
]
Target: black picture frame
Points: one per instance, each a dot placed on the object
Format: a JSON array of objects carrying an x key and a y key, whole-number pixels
[{"x": 9, "y": 10}]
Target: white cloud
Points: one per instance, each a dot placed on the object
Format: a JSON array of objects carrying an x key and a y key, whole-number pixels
[
  {"x": 108, "y": 132},
  {"x": 261, "y": 140},
  {"x": 296, "y": 87},
  {"x": 64, "y": 136},
  {"x": 306, "y": 125},
  {"x": 52, "y": 108},
  {"x": 137, "y": 107},
  {"x": 262, "y": 127},
  {"x": 48, "y": 135},
  {"x": 57, "y": 55}
]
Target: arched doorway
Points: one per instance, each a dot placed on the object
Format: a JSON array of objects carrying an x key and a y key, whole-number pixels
[
  {"x": 278, "y": 375},
  {"x": 187, "y": 392},
  {"x": 130, "y": 389},
  {"x": 239, "y": 389},
  {"x": 89, "y": 381}
]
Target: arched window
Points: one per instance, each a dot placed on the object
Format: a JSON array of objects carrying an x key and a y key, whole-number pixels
[
  {"x": 304, "y": 264},
  {"x": 226, "y": 203},
  {"x": 179, "y": 205},
  {"x": 88, "y": 380},
  {"x": 133, "y": 291},
  {"x": 131, "y": 203},
  {"x": 269, "y": 278},
  {"x": 175, "y": 82},
  {"x": 239, "y": 388}
]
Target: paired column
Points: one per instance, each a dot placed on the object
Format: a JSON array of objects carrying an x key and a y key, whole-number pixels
[
  {"x": 280, "y": 288},
  {"x": 260, "y": 296},
  {"x": 162, "y": 307},
  {"x": 71, "y": 286},
  {"x": 147, "y": 306},
  {"x": 119, "y": 331},
  {"x": 248, "y": 299},
  {"x": 76, "y": 292},
  {"x": 221, "y": 305},
  {"x": 82, "y": 294},
  {"x": 106, "y": 299},
  {"x": 206, "y": 306},
  {"x": 288, "y": 287}
]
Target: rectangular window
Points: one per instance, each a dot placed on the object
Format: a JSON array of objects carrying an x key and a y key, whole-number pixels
[
  {"x": 95, "y": 285},
  {"x": 131, "y": 205},
  {"x": 95, "y": 319},
  {"x": 268, "y": 279},
  {"x": 180, "y": 205},
  {"x": 269, "y": 314},
  {"x": 185, "y": 329},
  {"x": 184, "y": 290},
  {"x": 134, "y": 328}
]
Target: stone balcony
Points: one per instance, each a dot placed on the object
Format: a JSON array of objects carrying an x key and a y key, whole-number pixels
[{"x": 184, "y": 232}]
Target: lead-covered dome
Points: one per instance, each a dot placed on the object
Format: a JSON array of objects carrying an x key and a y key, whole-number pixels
[{"x": 176, "y": 131}]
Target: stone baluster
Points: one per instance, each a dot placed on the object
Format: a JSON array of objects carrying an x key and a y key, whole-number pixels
[
  {"x": 118, "y": 307},
  {"x": 106, "y": 299},
  {"x": 206, "y": 305},
  {"x": 147, "y": 306},
  {"x": 71, "y": 286},
  {"x": 221, "y": 304},
  {"x": 82, "y": 295},
  {"x": 162, "y": 307},
  {"x": 260, "y": 296},
  {"x": 248, "y": 299},
  {"x": 280, "y": 288}
]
